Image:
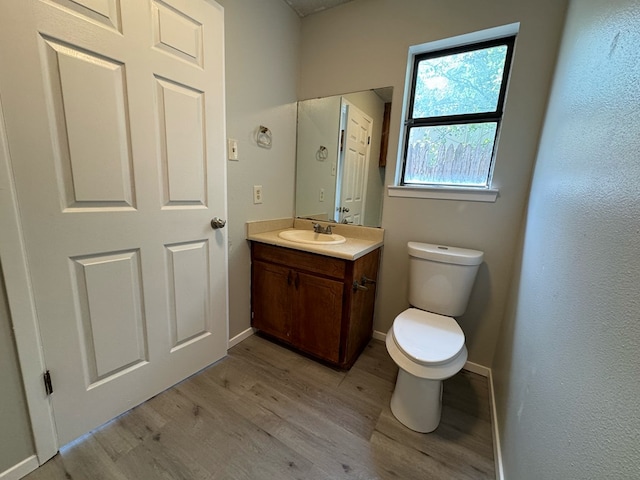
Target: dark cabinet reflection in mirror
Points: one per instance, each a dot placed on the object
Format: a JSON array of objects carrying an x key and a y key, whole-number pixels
[{"x": 341, "y": 157}]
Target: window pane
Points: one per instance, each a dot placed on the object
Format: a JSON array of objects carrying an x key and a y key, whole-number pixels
[
  {"x": 450, "y": 154},
  {"x": 467, "y": 82}
]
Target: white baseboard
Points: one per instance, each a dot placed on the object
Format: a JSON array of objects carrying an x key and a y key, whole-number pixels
[
  {"x": 477, "y": 368},
  {"x": 497, "y": 451},
  {"x": 379, "y": 335},
  {"x": 20, "y": 470},
  {"x": 240, "y": 337}
]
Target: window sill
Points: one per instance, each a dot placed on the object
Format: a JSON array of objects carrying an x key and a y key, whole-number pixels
[{"x": 469, "y": 194}]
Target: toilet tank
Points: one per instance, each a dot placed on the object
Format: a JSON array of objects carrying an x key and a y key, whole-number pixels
[{"x": 441, "y": 277}]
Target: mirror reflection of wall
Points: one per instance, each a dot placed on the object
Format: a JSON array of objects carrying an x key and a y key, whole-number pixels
[{"x": 328, "y": 162}]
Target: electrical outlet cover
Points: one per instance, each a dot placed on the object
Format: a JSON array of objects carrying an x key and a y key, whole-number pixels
[{"x": 257, "y": 194}]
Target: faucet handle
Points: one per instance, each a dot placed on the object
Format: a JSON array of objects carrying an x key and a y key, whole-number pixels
[{"x": 320, "y": 229}]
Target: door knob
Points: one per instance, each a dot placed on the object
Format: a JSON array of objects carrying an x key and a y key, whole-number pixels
[{"x": 218, "y": 223}]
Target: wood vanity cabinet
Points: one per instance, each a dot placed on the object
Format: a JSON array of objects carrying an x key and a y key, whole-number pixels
[{"x": 309, "y": 301}]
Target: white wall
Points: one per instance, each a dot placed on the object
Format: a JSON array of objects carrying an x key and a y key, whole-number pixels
[
  {"x": 262, "y": 39},
  {"x": 364, "y": 44},
  {"x": 567, "y": 366},
  {"x": 15, "y": 431}
]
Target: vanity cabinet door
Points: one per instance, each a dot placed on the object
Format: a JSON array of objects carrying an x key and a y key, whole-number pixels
[
  {"x": 271, "y": 296},
  {"x": 360, "y": 303},
  {"x": 317, "y": 315}
]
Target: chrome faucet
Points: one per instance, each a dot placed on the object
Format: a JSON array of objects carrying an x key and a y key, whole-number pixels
[{"x": 320, "y": 229}]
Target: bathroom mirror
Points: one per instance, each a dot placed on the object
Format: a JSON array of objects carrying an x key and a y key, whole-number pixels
[{"x": 341, "y": 156}]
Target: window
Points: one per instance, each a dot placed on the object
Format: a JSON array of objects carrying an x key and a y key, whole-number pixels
[{"x": 453, "y": 112}]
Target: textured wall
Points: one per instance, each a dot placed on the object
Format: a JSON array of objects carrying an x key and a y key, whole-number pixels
[
  {"x": 364, "y": 44},
  {"x": 262, "y": 40},
  {"x": 567, "y": 369}
]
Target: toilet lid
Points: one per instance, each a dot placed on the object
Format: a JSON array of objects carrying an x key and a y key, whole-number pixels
[{"x": 426, "y": 337}]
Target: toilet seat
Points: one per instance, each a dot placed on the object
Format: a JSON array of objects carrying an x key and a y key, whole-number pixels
[
  {"x": 427, "y": 345},
  {"x": 427, "y": 338}
]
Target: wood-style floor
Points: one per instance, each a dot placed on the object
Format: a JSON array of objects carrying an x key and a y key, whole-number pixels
[{"x": 267, "y": 413}]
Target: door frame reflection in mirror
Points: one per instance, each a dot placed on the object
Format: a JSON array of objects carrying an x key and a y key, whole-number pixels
[{"x": 320, "y": 131}]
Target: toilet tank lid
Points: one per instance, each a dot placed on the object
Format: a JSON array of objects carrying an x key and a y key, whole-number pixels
[{"x": 445, "y": 254}]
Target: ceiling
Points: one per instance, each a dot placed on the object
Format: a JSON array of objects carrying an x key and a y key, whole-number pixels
[{"x": 308, "y": 7}]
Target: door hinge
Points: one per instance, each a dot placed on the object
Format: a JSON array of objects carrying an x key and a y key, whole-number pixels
[
  {"x": 251, "y": 315},
  {"x": 48, "y": 386}
]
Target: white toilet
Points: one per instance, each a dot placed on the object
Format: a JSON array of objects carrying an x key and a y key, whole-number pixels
[{"x": 426, "y": 342}]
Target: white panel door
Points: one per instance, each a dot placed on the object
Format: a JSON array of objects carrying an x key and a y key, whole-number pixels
[
  {"x": 114, "y": 113},
  {"x": 354, "y": 164}
]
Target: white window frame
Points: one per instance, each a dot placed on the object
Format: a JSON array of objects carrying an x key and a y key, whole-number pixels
[{"x": 445, "y": 192}]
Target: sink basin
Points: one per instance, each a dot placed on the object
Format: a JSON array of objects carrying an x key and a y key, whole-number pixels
[{"x": 311, "y": 237}]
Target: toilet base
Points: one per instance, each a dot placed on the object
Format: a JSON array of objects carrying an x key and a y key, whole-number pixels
[{"x": 417, "y": 402}]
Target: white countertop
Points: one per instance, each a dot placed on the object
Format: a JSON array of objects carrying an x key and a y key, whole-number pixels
[{"x": 359, "y": 240}]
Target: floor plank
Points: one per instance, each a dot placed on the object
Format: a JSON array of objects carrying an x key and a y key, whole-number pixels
[{"x": 267, "y": 413}]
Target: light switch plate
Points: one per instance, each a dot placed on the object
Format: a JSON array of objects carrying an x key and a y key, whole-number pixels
[{"x": 232, "y": 148}]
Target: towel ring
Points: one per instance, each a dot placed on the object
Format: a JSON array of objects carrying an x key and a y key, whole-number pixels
[
  {"x": 264, "y": 137},
  {"x": 322, "y": 153}
]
